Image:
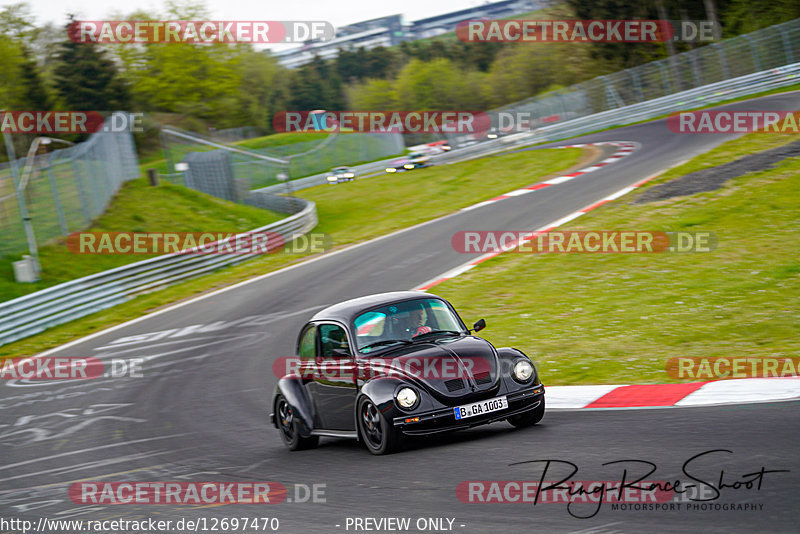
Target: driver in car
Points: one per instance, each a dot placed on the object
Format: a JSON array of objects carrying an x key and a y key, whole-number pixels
[{"x": 416, "y": 326}]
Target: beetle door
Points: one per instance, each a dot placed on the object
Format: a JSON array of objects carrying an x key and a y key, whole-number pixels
[{"x": 334, "y": 386}]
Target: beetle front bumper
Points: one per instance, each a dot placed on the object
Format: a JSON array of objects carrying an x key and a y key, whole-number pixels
[{"x": 444, "y": 419}]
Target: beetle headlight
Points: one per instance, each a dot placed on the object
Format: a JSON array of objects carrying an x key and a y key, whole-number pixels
[
  {"x": 407, "y": 398},
  {"x": 523, "y": 370}
]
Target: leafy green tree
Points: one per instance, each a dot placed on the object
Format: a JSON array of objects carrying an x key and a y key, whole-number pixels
[
  {"x": 437, "y": 84},
  {"x": 743, "y": 16},
  {"x": 11, "y": 65},
  {"x": 36, "y": 92},
  {"x": 17, "y": 22},
  {"x": 21, "y": 86},
  {"x": 87, "y": 79},
  {"x": 316, "y": 85},
  {"x": 372, "y": 95},
  {"x": 263, "y": 88}
]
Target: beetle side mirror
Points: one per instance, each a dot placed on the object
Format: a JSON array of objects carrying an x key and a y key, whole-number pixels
[{"x": 480, "y": 325}]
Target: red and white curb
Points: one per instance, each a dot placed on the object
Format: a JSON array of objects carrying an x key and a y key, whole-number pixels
[
  {"x": 626, "y": 148},
  {"x": 617, "y": 397},
  {"x": 736, "y": 391}
]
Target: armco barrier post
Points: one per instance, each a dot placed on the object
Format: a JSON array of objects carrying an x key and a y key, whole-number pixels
[{"x": 23, "y": 206}]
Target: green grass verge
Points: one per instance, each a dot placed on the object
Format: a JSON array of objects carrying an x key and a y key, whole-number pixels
[
  {"x": 281, "y": 139},
  {"x": 376, "y": 206},
  {"x": 618, "y": 318},
  {"x": 349, "y": 213},
  {"x": 137, "y": 207}
]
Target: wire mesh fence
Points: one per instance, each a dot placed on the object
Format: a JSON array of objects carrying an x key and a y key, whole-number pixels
[
  {"x": 761, "y": 50},
  {"x": 65, "y": 189},
  {"x": 302, "y": 158}
]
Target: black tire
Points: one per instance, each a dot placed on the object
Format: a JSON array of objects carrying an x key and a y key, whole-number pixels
[
  {"x": 377, "y": 434},
  {"x": 528, "y": 418},
  {"x": 288, "y": 427}
]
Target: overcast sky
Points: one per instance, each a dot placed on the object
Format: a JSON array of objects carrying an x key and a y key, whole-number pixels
[{"x": 337, "y": 12}]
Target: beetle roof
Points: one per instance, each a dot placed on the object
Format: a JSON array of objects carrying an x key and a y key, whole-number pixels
[{"x": 347, "y": 310}]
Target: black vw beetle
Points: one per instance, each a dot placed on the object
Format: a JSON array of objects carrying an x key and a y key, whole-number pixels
[{"x": 381, "y": 367}]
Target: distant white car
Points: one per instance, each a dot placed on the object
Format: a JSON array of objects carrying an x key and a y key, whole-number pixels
[{"x": 340, "y": 174}]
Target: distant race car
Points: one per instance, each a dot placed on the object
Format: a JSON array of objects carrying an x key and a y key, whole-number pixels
[
  {"x": 384, "y": 367},
  {"x": 340, "y": 174},
  {"x": 413, "y": 161},
  {"x": 432, "y": 148}
]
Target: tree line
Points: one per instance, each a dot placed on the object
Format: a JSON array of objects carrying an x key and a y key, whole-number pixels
[{"x": 222, "y": 86}]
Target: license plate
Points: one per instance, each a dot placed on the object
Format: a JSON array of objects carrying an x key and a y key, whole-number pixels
[{"x": 480, "y": 408}]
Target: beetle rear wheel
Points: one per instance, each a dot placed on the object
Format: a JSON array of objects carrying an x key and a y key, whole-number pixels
[
  {"x": 288, "y": 427},
  {"x": 376, "y": 433}
]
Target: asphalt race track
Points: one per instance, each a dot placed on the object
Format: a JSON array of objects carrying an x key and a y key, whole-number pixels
[{"x": 199, "y": 412}]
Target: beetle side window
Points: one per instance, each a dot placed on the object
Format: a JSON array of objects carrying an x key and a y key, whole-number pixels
[
  {"x": 333, "y": 338},
  {"x": 307, "y": 349}
]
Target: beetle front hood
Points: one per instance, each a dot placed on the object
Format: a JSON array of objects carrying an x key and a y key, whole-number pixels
[{"x": 449, "y": 366}]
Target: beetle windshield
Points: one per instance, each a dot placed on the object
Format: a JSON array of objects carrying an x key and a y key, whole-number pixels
[{"x": 401, "y": 322}]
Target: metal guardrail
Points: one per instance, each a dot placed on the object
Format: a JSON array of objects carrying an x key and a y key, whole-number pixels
[
  {"x": 683, "y": 101},
  {"x": 686, "y": 100},
  {"x": 31, "y": 314}
]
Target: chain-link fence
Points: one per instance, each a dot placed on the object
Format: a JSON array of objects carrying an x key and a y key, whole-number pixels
[
  {"x": 304, "y": 157},
  {"x": 63, "y": 190},
  {"x": 233, "y": 135},
  {"x": 764, "y": 49}
]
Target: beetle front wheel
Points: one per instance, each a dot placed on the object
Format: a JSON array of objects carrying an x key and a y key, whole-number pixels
[
  {"x": 377, "y": 434},
  {"x": 528, "y": 418}
]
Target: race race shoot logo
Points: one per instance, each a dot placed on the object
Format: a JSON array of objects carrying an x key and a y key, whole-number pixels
[
  {"x": 585, "y": 31},
  {"x": 198, "y": 31},
  {"x": 177, "y": 493},
  {"x": 576, "y": 242},
  {"x": 68, "y": 368},
  {"x": 403, "y": 122},
  {"x": 706, "y": 477},
  {"x": 718, "y": 368},
  {"x": 726, "y": 122},
  {"x": 195, "y": 243}
]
